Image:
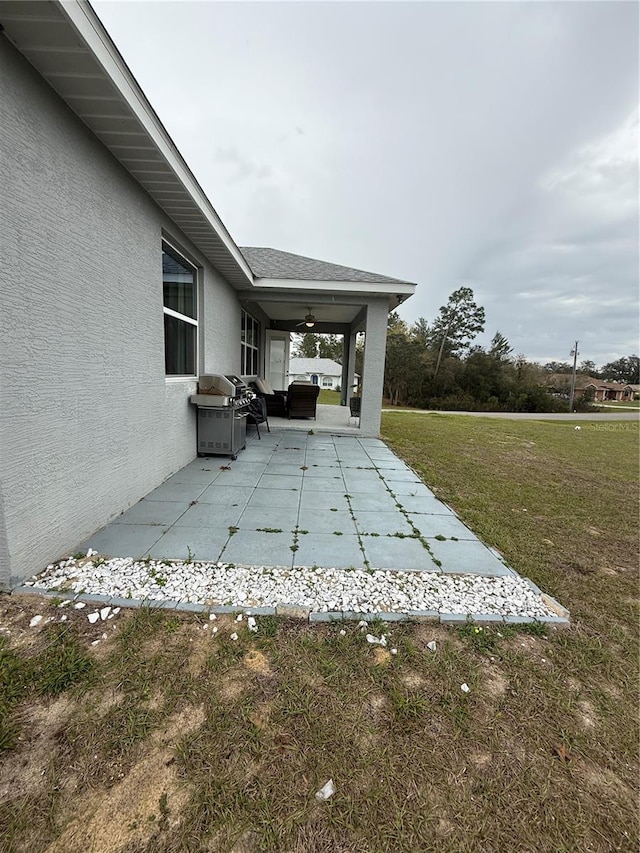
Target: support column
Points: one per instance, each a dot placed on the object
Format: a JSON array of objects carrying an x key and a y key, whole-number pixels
[
  {"x": 373, "y": 368},
  {"x": 344, "y": 382}
]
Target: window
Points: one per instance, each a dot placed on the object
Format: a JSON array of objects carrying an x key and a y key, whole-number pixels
[
  {"x": 327, "y": 382},
  {"x": 180, "y": 299},
  {"x": 249, "y": 345}
]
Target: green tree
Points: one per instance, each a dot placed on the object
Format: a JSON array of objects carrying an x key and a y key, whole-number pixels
[
  {"x": 458, "y": 323},
  {"x": 622, "y": 370},
  {"x": 330, "y": 346},
  {"x": 500, "y": 348},
  {"x": 588, "y": 367},
  {"x": 420, "y": 331},
  {"x": 306, "y": 345}
]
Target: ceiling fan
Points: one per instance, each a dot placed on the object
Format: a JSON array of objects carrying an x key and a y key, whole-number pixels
[{"x": 309, "y": 320}]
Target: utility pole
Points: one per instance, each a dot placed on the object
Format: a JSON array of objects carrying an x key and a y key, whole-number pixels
[{"x": 574, "y": 352}]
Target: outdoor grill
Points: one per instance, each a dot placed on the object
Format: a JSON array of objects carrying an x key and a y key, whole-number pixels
[{"x": 223, "y": 406}]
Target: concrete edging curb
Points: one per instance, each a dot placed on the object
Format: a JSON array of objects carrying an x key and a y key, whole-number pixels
[{"x": 304, "y": 614}]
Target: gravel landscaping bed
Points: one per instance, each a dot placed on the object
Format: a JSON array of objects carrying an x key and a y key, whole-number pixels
[{"x": 320, "y": 590}]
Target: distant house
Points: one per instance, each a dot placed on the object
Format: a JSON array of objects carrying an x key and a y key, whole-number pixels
[
  {"x": 321, "y": 371},
  {"x": 632, "y": 392},
  {"x": 604, "y": 390}
]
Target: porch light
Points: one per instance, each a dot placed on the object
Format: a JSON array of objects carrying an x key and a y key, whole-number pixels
[{"x": 310, "y": 324}]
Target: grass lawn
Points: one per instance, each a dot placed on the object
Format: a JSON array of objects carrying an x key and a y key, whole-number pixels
[
  {"x": 625, "y": 404},
  {"x": 328, "y": 397},
  {"x": 166, "y": 737}
]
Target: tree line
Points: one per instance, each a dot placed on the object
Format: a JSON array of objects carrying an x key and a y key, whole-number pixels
[{"x": 436, "y": 365}]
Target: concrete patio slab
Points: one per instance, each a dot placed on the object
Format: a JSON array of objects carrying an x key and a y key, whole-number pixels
[
  {"x": 272, "y": 517},
  {"x": 259, "y": 549},
  {"x": 406, "y": 487},
  {"x": 182, "y": 543},
  {"x": 324, "y": 484},
  {"x": 349, "y": 508},
  {"x": 163, "y": 513},
  {"x": 325, "y": 521},
  {"x": 123, "y": 540},
  {"x": 210, "y": 515},
  {"x": 275, "y": 497},
  {"x": 469, "y": 558},
  {"x": 225, "y": 495},
  {"x": 280, "y": 469},
  {"x": 381, "y": 501},
  {"x": 388, "y": 552},
  {"x": 394, "y": 475},
  {"x": 325, "y": 549},
  {"x": 323, "y": 500},
  {"x": 382, "y": 523},
  {"x": 192, "y": 474},
  {"x": 177, "y": 492},
  {"x": 277, "y": 482},
  {"x": 423, "y": 504},
  {"x": 449, "y": 526}
]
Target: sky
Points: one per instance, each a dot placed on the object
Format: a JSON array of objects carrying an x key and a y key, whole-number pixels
[{"x": 480, "y": 144}]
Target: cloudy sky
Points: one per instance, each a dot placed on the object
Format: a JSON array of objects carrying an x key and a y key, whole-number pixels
[{"x": 493, "y": 145}]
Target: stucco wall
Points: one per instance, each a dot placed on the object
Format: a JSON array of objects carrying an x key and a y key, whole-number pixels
[
  {"x": 88, "y": 422},
  {"x": 373, "y": 368}
]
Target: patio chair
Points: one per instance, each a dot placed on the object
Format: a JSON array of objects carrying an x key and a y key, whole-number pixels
[
  {"x": 276, "y": 401},
  {"x": 301, "y": 399},
  {"x": 354, "y": 407},
  {"x": 258, "y": 414}
]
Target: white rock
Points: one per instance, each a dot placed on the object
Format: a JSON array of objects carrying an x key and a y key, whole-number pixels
[
  {"x": 465, "y": 687},
  {"x": 393, "y": 651},
  {"x": 327, "y": 790},
  {"x": 79, "y": 605},
  {"x": 212, "y": 617},
  {"x": 104, "y": 613},
  {"x": 342, "y": 632},
  {"x": 35, "y": 621},
  {"x": 432, "y": 646},
  {"x": 93, "y": 617},
  {"x": 233, "y": 636}
]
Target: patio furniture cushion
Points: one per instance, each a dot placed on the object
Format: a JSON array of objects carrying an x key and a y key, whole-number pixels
[
  {"x": 301, "y": 399},
  {"x": 276, "y": 401},
  {"x": 263, "y": 386}
]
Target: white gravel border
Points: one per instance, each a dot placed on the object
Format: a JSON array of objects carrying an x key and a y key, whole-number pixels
[{"x": 321, "y": 590}]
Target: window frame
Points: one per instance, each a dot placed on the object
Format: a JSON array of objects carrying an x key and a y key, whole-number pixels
[
  {"x": 177, "y": 315},
  {"x": 247, "y": 349}
]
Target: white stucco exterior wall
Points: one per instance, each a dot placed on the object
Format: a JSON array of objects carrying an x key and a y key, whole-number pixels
[
  {"x": 88, "y": 422},
  {"x": 373, "y": 367}
]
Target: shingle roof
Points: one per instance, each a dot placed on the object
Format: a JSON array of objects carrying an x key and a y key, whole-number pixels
[
  {"x": 321, "y": 366},
  {"x": 272, "y": 263}
]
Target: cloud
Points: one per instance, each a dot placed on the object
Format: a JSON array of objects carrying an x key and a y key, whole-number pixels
[
  {"x": 488, "y": 144},
  {"x": 567, "y": 267}
]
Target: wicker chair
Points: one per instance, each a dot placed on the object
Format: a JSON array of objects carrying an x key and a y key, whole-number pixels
[
  {"x": 301, "y": 399},
  {"x": 275, "y": 401}
]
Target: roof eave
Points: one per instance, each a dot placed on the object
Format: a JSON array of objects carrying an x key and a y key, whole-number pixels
[{"x": 396, "y": 292}]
